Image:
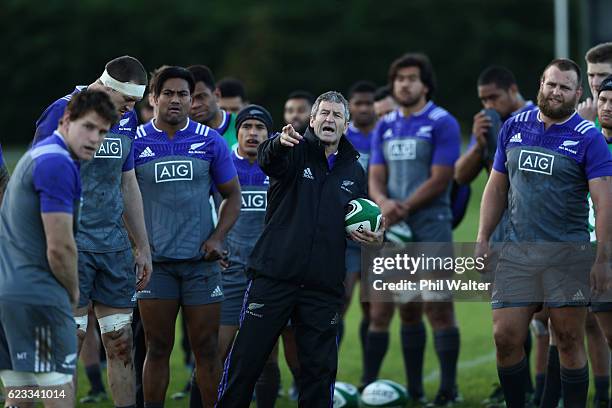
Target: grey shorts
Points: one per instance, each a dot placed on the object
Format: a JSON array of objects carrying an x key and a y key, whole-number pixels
[
  {"x": 235, "y": 283},
  {"x": 194, "y": 283},
  {"x": 426, "y": 229},
  {"x": 37, "y": 338},
  {"x": 519, "y": 282},
  {"x": 352, "y": 257},
  {"x": 107, "y": 278}
]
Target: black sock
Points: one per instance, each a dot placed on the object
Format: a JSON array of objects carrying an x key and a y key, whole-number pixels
[
  {"x": 195, "y": 397},
  {"x": 363, "y": 336},
  {"x": 527, "y": 347},
  {"x": 94, "y": 375},
  {"x": 376, "y": 348},
  {"x": 126, "y": 406},
  {"x": 513, "y": 380},
  {"x": 575, "y": 386},
  {"x": 153, "y": 405},
  {"x": 446, "y": 343},
  {"x": 413, "y": 348},
  {"x": 539, "y": 388},
  {"x": 552, "y": 387},
  {"x": 602, "y": 388},
  {"x": 340, "y": 331},
  {"x": 266, "y": 387}
]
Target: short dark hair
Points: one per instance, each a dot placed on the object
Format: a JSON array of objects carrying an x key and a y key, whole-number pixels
[
  {"x": 201, "y": 73},
  {"x": 361, "y": 87},
  {"x": 166, "y": 73},
  {"x": 601, "y": 53},
  {"x": 564, "y": 64},
  {"x": 501, "y": 77},
  {"x": 382, "y": 92},
  {"x": 415, "y": 60},
  {"x": 299, "y": 94},
  {"x": 86, "y": 101},
  {"x": 231, "y": 87},
  {"x": 127, "y": 69}
]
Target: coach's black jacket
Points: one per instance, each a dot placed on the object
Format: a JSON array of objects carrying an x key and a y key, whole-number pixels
[{"x": 304, "y": 239}]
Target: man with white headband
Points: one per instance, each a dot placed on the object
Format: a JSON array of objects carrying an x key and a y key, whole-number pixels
[{"x": 107, "y": 275}]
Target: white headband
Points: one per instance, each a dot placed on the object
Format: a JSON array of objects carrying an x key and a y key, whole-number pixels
[{"x": 125, "y": 88}]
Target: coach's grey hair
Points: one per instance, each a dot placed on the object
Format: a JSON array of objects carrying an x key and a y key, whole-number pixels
[{"x": 333, "y": 97}]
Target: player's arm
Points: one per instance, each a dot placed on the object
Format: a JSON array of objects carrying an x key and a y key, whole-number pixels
[
  {"x": 228, "y": 214},
  {"x": 133, "y": 217},
  {"x": 62, "y": 251},
  {"x": 493, "y": 204},
  {"x": 4, "y": 178},
  {"x": 275, "y": 155},
  {"x": 601, "y": 194},
  {"x": 469, "y": 165}
]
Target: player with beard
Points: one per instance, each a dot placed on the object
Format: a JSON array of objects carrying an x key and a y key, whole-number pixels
[
  {"x": 383, "y": 101},
  {"x": 4, "y": 176},
  {"x": 411, "y": 169},
  {"x": 205, "y": 107},
  {"x": 297, "y": 110},
  {"x": 177, "y": 162},
  {"x": 547, "y": 159}
]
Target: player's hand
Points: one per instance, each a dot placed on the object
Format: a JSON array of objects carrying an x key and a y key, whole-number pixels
[
  {"x": 588, "y": 109},
  {"x": 482, "y": 250},
  {"x": 225, "y": 262},
  {"x": 213, "y": 250},
  {"x": 369, "y": 237},
  {"x": 601, "y": 278},
  {"x": 480, "y": 127},
  {"x": 290, "y": 137},
  {"x": 144, "y": 268},
  {"x": 393, "y": 211}
]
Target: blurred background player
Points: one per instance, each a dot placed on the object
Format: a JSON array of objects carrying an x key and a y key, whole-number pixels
[
  {"x": 4, "y": 176},
  {"x": 297, "y": 110},
  {"x": 497, "y": 90},
  {"x": 206, "y": 109},
  {"x": 359, "y": 133},
  {"x": 599, "y": 67},
  {"x": 145, "y": 110},
  {"x": 177, "y": 162},
  {"x": 39, "y": 282},
  {"x": 231, "y": 94},
  {"x": 414, "y": 150},
  {"x": 112, "y": 206},
  {"x": 383, "y": 101},
  {"x": 524, "y": 165}
]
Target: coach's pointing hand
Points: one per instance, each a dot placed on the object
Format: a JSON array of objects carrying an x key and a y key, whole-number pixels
[{"x": 290, "y": 137}]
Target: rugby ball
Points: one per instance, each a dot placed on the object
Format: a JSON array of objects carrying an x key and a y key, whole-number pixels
[
  {"x": 399, "y": 233},
  {"x": 345, "y": 395},
  {"x": 362, "y": 215},
  {"x": 384, "y": 393}
]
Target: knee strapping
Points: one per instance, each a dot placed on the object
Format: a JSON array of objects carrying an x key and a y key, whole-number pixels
[
  {"x": 539, "y": 328},
  {"x": 81, "y": 322},
  {"x": 114, "y": 322}
]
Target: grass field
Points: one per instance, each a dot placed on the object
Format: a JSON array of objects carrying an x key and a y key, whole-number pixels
[{"x": 477, "y": 360}]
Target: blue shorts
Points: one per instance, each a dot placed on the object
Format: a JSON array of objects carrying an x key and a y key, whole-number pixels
[
  {"x": 352, "y": 257},
  {"x": 37, "y": 338},
  {"x": 194, "y": 283},
  {"x": 107, "y": 278},
  {"x": 235, "y": 283},
  {"x": 601, "y": 307}
]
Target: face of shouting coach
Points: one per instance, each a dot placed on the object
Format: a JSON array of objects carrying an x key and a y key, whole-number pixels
[{"x": 329, "y": 122}]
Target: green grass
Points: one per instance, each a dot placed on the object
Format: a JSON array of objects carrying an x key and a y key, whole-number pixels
[{"x": 477, "y": 364}]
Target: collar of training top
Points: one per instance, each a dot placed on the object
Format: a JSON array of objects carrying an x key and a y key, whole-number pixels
[{"x": 345, "y": 148}]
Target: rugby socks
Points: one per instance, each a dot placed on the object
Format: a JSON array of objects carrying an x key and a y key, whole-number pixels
[
  {"x": 602, "y": 388},
  {"x": 552, "y": 387},
  {"x": 94, "y": 375},
  {"x": 446, "y": 343},
  {"x": 153, "y": 405},
  {"x": 527, "y": 346},
  {"x": 539, "y": 388},
  {"x": 363, "y": 337},
  {"x": 513, "y": 380},
  {"x": 376, "y": 348},
  {"x": 413, "y": 346},
  {"x": 266, "y": 388},
  {"x": 575, "y": 386}
]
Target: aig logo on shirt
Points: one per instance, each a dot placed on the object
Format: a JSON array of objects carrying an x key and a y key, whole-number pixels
[
  {"x": 536, "y": 162},
  {"x": 402, "y": 149},
  {"x": 254, "y": 200},
  {"x": 180, "y": 170},
  {"x": 110, "y": 148}
]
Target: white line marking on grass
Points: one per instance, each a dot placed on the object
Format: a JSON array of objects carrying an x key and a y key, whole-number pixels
[{"x": 463, "y": 365}]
